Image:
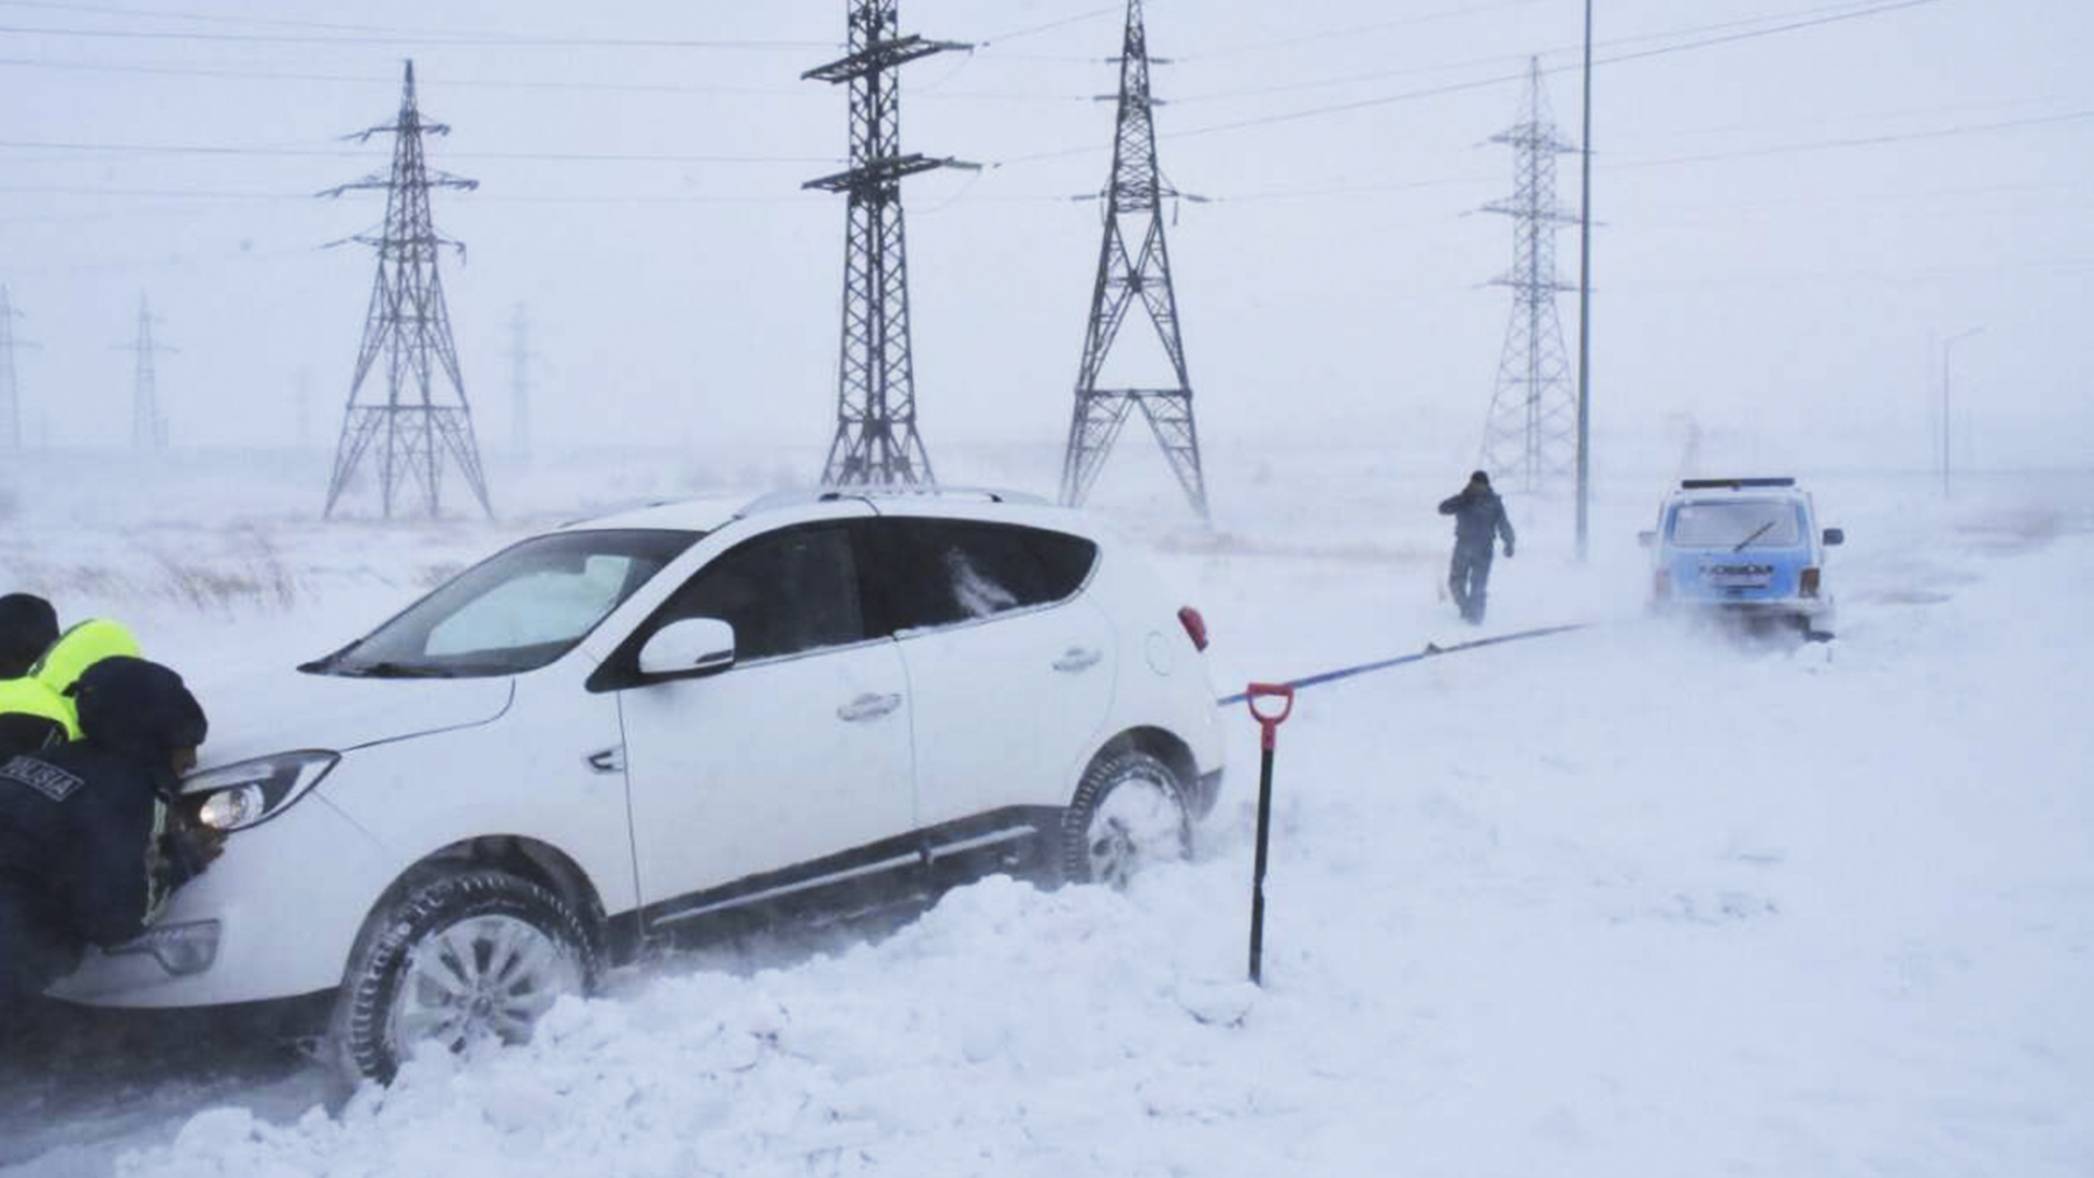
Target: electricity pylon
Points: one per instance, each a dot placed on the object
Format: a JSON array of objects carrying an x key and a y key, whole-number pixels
[
  {"x": 11, "y": 436},
  {"x": 415, "y": 426},
  {"x": 876, "y": 440},
  {"x": 1530, "y": 437},
  {"x": 148, "y": 421},
  {"x": 1133, "y": 207},
  {"x": 520, "y": 377}
]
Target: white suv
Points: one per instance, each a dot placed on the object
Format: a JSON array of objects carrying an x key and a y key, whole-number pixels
[{"x": 599, "y": 736}]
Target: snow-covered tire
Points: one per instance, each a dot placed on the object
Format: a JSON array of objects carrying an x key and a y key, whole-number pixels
[
  {"x": 1130, "y": 811},
  {"x": 462, "y": 952}
]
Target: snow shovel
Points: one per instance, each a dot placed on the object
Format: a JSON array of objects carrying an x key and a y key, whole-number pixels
[{"x": 1269, "y": 718}]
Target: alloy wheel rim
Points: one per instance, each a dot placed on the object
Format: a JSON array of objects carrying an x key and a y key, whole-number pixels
[
  {"x": 1138, "y": 823},
  {"x": 485, "y": 977}
]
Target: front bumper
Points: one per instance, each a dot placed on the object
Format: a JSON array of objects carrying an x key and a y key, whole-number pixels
[{"x": 274, "y": 917}]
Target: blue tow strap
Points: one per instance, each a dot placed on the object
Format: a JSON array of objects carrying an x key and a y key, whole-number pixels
[{"x": 1430, "y": 651}]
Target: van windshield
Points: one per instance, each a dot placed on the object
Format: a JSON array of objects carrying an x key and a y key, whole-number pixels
[
  {"x": 1737, "y": 523},
  {"x": 515, "y": 611}
]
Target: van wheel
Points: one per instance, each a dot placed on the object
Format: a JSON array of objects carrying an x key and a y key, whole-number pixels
[
  {"x": 1130, "y": 812},
  {"x": 462, "y": 954}
]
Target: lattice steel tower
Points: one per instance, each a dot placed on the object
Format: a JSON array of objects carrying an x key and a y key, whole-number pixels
[
  {"x": 1133, "y": 208},
  {"x": 148, "y": 422},
  {"x": 1530, "y": 439},
  {"x": 415, "y": 426},
  {"x": 876, "y": 440},
  {"x": 10, "y": 392}
]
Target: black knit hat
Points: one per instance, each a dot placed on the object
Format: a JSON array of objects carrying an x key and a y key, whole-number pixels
[
  {"x": 1480, "y": 477},
  {"x": 28, "y": 627},
  {"x": 141, "y": 710}
]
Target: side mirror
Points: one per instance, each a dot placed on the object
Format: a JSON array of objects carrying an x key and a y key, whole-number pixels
[
  {"x": 1834, "y": 537},
  {"x": 1646, "y": 539},
  {"x": 688, "y": 649}
]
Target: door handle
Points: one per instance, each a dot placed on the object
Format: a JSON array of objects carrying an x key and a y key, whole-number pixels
[
  {"x": 870, "y": 706},
  {"x": 1078, "y": 658},
  {"x": 610, "y": 760}
]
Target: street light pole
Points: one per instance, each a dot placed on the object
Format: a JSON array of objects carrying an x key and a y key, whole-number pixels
[
  {"x": 1946, "y": 346},
  {"x": 1585, "y": 303}
]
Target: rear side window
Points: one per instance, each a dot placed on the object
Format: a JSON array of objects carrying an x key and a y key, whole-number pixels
[
  {"x": 937, "y": 572},
  {"x": 785, "y": 593}
]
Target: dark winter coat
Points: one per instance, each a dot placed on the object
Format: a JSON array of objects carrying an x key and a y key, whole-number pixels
[
  {"x": 1478, "y": 515},
  {"x": 87, "y": 855}
]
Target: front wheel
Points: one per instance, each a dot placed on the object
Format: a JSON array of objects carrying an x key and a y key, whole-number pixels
[
  {"x": 463, "y": 954},
  {"x": 1129, "y": 813}
]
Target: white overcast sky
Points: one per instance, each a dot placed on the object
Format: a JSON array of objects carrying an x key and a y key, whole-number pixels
[{"x": 1791, "y": 221}]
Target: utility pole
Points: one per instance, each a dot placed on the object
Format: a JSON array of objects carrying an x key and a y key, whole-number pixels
[
  {"x": 1585, "y": 305},
  {"x": 876, "y": 441},
  {"x": 415, "y": 426},
  {"x": 1530, "y": 438},
  {"x": 1133, "y": 208},
  {"x": 148, "y": 422},
  {"x": 520, "y": 377},
  {"x": 12, "y": 439},
  {"x": 1947, "y": 346}
]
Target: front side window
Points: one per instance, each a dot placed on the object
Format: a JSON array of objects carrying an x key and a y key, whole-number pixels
[
  {"x": 1738, "y": 524},
  {"x": 789, "y": 592},
  {"x": 516, "y": 611},
  {"x": 948, "y": 571}
]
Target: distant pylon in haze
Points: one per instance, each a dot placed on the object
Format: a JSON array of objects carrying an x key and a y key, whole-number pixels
[
  {"x": 1530, "y": 439},
  {"x": 416, "y": 425},
  {"x": 12, "y": 439},
  {"x": 1127, "y": 273},
  {"x": 148, "y": 420},
  {"x": 520, "y": 374},
  {"x": 876, "y": 441}
]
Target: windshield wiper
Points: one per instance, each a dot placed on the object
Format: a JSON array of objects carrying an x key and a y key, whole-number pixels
[
  {"x": 1762, "y": 530},
  {"x": 387, "y": 669}
]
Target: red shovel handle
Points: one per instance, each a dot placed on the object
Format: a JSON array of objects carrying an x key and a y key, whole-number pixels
[{"x": 1270, "y": 719}]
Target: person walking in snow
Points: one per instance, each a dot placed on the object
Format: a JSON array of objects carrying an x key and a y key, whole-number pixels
[
  {"x": 91, "y": 840},
  {"x": 1479, "y": 518}
]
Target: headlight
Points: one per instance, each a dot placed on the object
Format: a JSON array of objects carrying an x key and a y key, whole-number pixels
[{"x": 238, "y": 796}]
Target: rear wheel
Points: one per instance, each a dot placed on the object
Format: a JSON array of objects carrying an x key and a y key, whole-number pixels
[
  {"x": 463, "y": 954},
  {"x": 1130, "y": 812}
]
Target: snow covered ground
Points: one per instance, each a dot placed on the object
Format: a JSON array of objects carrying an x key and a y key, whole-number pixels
[{"x": 1638, "y": 900}]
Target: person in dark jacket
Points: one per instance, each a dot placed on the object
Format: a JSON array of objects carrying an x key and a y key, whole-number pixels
[
  {"x": 28, "y": 627},
  {"x": 30, "y": 717},
  {"x": 1479, "y": 518},
  {"x": 91, "y": 842}
]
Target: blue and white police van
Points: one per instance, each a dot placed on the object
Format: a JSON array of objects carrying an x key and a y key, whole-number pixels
[{"x": 1749, "y": 548}]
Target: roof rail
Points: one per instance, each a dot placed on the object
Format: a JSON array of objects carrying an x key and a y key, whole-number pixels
[
  {"x": 1733, "y": 484},
  {"x": 800, "y": 497}
]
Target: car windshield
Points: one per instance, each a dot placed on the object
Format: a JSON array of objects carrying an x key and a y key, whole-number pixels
[
  {"x": 1738, "y": 524},
  {"x": 515, "y": 611}
]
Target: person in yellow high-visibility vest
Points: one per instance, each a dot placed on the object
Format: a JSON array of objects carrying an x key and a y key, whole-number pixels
[
  {"x": 38, "y": 710},
  {"x": 31, "y": 716}
]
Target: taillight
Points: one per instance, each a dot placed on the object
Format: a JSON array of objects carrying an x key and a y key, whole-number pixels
[
  {"x": 1195, "y": 627},
  {"x": 1661, "y": 584},
  {"x": 1807, "y": 585}
]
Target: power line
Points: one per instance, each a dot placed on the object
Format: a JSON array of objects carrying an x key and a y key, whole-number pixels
[
  {"x": 429, "y": 41},
  {"x": 985, "y": 43},
  {"x": 338, "y": 152},
  {"x": 1252, "y": 47},
  {"x": 1858, "y": 141},
  {"x": 71, "y": 9},
  {"x": 1704, "y": 43},
  {"x": 151, "y": 69},
  {"x": 1662, "y": 35}
]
